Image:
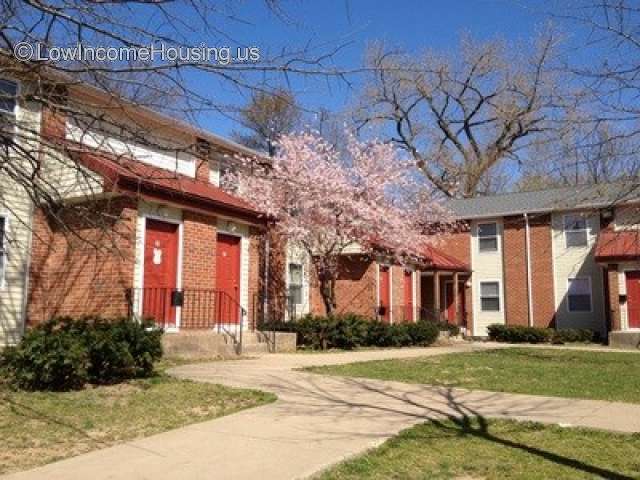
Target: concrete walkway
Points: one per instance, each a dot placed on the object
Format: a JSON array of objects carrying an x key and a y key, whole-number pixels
[{"x": 317, "y": 421}]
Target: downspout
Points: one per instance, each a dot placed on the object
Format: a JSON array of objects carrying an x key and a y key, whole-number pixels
[
  {"x": 528, "y": 254},
  {"x": 265, "y": 294}
]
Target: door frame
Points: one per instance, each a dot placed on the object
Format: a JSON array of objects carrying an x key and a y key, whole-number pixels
[
  {"x": 244, "y": 323},
  {"x": 626, "y": 304},
  {"x": 390, "y": 267},
  {"x": 143, "y": 237},
  {"x": 461, "y": 299}
]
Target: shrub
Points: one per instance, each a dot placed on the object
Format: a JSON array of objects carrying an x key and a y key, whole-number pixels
[
  {"x": 46, "y": 362},
  {"x": 519, "y": 334},
  {"x": 423, "y": 333},
  {"x": 574, "y": 335},
  {"x": 454, "y": 330},
  {"x": 350, "y": 331},
  {"x": 99, "y": 351}
]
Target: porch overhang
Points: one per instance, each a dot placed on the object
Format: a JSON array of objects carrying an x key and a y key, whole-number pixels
[
  {"x": 129, "y": 177},
  {"x": 615, "y": 246}
]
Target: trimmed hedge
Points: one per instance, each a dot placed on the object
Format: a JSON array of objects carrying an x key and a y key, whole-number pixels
[
  {"x": 65, "y": 354},
  {"x": 351, "y": 331},
  {"x": 522, "y": 334}
]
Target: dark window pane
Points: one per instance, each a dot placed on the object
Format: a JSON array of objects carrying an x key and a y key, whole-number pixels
[
  {"x": 487, "y": 229},
  {"x": 575, "y": 222},
  {"x": 295, "y": 294},
  {"x": 577, "y": 238},
  {"x": 490, "y": 304},
  {"x": 580, "y": 303},
  {"x": 489, "y": 289},
  {"x": 8, "y": 93},
  {"x": 489, "y": 244}
]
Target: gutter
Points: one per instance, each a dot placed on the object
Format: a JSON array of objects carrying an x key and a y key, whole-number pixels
[{"x": 528, "y": 254}]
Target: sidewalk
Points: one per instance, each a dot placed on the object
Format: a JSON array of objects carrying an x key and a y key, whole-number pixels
[{"x": 317, "y": 421}]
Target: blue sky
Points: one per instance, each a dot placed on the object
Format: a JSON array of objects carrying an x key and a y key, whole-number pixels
[{"x": 412, "y": 25}]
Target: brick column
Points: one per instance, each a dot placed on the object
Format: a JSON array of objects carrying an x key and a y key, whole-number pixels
[{"x": 614, "y": 297}]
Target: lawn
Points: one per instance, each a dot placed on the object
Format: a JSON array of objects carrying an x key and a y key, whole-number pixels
[
  {"x": 537, "y": 371},
  {"x": 41, "y": 427},
  {"x": 496, "y": 449}
]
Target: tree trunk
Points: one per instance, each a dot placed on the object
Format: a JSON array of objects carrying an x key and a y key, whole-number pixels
[{"x": 328, "y": 293}]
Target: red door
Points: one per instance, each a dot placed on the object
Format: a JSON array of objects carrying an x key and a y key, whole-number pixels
[
  {"x": 384, "y": 292},
  {"x": 160, "y": 271},
  {"x": 451, "y": 311},
  {"x": 633, "y": 298},
  {"x": 228, "y": 278},
  {"x": 408, "y": 296}
]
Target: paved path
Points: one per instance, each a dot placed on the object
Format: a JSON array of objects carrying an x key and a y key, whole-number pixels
[{"x": 317, "y": 421}]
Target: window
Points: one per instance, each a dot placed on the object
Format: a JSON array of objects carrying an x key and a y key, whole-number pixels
[
  {"x": 575, "y": 231},
  {"x": 490, "y": 296},
  {"x": 8, "y": 96},
  {"x": 3, "y": 254},
  {"x": 488, "y": 237},
  {"x": 295, "y": 283},
  {"x": 579, "y": 294}
]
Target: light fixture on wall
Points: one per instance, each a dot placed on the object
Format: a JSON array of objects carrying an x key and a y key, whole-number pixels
[{"x": 231, "y": 226}]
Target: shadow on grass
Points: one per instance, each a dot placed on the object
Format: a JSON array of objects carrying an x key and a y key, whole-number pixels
[{"x": 449, "y": 412}]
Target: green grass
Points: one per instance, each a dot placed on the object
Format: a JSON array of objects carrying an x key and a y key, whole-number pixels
[
  {"x": 497, "y": 449},
  {"x": 537, "y": 371},
  {"x": 41, "y": 427}
]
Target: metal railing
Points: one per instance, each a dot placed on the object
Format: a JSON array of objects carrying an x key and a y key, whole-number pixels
[{"x": 189, "y": 309}]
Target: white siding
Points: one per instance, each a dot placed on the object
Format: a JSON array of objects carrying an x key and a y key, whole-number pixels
[
  {"x": 486, "y": 267},
  {"x": 577, "y": 262},
  {"x": 179, "y": 162},
  {"x": 16, "y": 206}
]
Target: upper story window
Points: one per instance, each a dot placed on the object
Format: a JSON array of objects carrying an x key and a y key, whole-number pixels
[
  {"x": 488, "y": 237},
  {"x": 295, "y": 283},
  {"x": 575, "y": 230},
  {"x": 579, "y": 294},
  {"x": 8, "y": 96},
  {"x": 3, "y": 253}
]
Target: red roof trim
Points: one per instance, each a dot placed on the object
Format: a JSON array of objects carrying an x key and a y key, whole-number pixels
[
  {"x": 127, "y": 175},
  {"x": 614, "y": 246}
]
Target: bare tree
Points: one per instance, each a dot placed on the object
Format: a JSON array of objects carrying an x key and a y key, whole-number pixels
[
  {"x": 268, "y": 116},
  {"x": 102, "y": 97},
  {"x": 463, "y": 114}
]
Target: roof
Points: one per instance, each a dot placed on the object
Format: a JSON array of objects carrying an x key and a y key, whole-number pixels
[
  {"x": 617, "y": 245},
  {"x": 438, "y": 260},
  {"x": 543, "y": 201},
  {"x": 134, "y": 176}
]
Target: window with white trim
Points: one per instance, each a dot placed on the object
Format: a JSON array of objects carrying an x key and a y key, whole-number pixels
[
  {"x": 488, "y": 237},
  {"x": 8, "y": 96},
  {"x": 3, "y": 253},
  {"x": 295, "y": 283},
  {"x": 575, "y": 230},
  {"x": 8, "y": 104},
  {"x": 490, "y": 296},
  {"x": 579, "y": 294}
]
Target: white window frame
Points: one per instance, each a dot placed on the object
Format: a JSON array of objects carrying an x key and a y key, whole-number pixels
[
  {"x": 496, "y": 236},
  {"x": 3, "y": 248},
  {"x": 565, "y": 230},
  {"x": 301, "y": 284},
  {"x": 15, "y": 107},
  {"x": 499, "y": 296},
  {"x": 590, "y": 294}
]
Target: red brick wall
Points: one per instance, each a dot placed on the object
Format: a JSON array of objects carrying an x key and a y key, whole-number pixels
[
  {"x": 199, "y": 251},
  {"x": 542, "y": 271},
  {"x": 613, "y": 300},
  {"x": 86, "y": 275},
  {"x": 515, "y": 271},
  {"x": 355, "y": 288}
]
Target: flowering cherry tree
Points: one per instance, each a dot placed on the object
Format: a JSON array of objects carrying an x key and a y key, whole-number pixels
[{"x": 327, "y": 201}]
